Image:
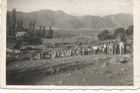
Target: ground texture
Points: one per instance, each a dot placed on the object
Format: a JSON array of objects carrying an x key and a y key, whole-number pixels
[{"x": 92, "y": 70}]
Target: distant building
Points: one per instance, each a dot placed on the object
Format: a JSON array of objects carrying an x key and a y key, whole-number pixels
[{"x": 21, "y": 35}]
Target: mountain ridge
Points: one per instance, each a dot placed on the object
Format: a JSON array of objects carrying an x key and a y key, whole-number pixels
[{"x": 62, "y": 20}]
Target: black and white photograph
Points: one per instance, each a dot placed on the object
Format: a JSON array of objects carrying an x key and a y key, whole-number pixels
[{"x": 69, "y": 42}]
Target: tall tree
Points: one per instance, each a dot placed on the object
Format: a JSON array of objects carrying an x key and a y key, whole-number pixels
[
  {"x": 44, "y": 32},
  {"x": 30, "y": 28},
  {"x": 33, "y": 30},
  {"x": 40, "y": 31},
  {"x": 14, "y": 23},
  {"x": 50, "y": 33},
  {"x": 21, "y": 25},
  {"x": 18, "y": 26},
  {"x": 9, "y": 23}
]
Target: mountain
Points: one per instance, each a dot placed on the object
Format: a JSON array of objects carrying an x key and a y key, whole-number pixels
[{"x": 62, "y": 20}]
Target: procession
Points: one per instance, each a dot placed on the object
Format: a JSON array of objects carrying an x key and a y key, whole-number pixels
[
  {"x": 110, "y": 48},
  {"x": 105, "y": 48}
]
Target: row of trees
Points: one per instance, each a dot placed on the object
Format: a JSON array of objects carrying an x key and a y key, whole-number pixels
[
  {"x": 11, "y": 23},
  {"x": 42, "y": 32},
  {"x": 15, "y": 25}
]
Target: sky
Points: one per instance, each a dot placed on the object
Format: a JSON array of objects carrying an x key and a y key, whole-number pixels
[{"x": 74, "y": 7}]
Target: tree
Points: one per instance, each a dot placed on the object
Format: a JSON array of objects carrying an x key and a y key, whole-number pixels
[
  {"x": 18, "y": 26},
  {"x": 33, "y": 30},
  {"x": 14, "y": 23},
  {"x": 40, "y": 34},
  {"x": 103, "y": 35},
  {"x": 129, "y": 35},
  {"x": 50, "y": 33},
  {"x": 30, "y": 26},
  {"x": 21, "y": 24},
  {"x": 44, "y": 32},
  {"x": 119, "y": 31},
  {"x": 9, "y": 23},
  {"x": 129, "y": 30}
]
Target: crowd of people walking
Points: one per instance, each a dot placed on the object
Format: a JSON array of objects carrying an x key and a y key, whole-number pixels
[
  {"x": 109, "y": 48},
  {"x": 105, "y": 48}
]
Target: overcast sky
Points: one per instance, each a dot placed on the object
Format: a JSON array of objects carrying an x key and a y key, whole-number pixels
[{"x": 74, "y": 7}]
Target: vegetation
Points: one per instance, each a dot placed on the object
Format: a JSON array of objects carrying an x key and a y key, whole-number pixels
[
  {"x": 33, "y": 35},
  {"x": 103, "y": 35},
  {"x": 119, "y": 33}
]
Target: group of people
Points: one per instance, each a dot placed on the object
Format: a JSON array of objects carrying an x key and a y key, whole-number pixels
[{"x": 107, "y": 48}]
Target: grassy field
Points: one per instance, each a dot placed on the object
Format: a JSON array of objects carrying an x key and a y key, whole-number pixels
[
  {"x": 76, "y": 37},
  {"x": 94, "y": 70},
  {"x": 71, "y": 33}
]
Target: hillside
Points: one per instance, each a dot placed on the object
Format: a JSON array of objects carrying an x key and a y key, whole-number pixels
[{"x": 60, "y": 19}]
